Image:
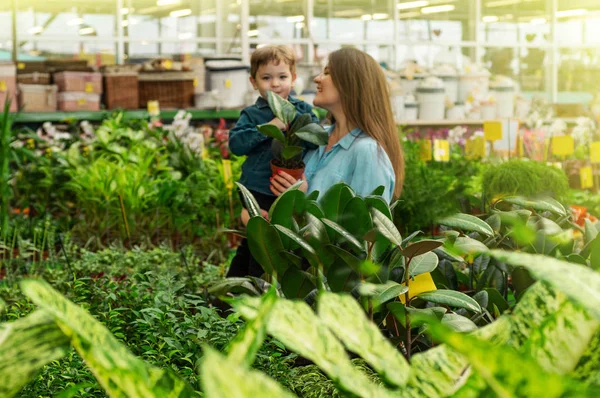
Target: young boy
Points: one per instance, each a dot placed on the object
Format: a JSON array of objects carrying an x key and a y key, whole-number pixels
[{"x": 272, "y": 68}]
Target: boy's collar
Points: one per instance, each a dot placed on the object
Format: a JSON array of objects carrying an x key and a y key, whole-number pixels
[{"x": 263, "y": 103}]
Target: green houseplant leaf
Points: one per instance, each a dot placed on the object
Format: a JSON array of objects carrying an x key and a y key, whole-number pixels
[
  {"x": 290, "y": 152},
  {"x": 266, "y": 246},
  {"x": 26, "y": 346},
  {"x": 282, "y": 109},
  {"x": 421, "y": 247},
  {"x": 451, "y": 298},
  {"x": 313, "y": 133},
  {"x": 467, "y": 222},
  {"x": 272, "y": 131},
  {"x": 251, "y": 203},
  {"x": 382, "y": 293},
  {"x": 343, "y": 233},
  {"x": 344, "y": 317},
  {"x": 546, "y": 204},
  {"x": 335, "y": 199},
  {"x": 386, "y": 227},
  {"x": 116, "y": 369},
  {"x": 424, "y": 263}
]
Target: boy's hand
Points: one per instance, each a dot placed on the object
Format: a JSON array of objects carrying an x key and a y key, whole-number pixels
[{"x": 279, "y": 124}]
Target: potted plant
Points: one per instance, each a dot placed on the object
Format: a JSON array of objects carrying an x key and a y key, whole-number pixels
[{"x": 287, "y": 152}]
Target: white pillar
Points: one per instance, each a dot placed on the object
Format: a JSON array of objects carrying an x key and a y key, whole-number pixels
[
  {"x": 310, "y": 10},
  {"x": 120, "y": 41},
  {"x": 244, "y": 24}
]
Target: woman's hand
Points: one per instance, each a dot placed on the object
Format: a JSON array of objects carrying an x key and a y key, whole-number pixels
[
  {"x": 245, "y": 216},
  {"x": 283, "y": 181}
]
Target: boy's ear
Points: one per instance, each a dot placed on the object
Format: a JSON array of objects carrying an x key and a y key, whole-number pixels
[
  {"x": 253, "y": 82},
  {"x": 293, "y": 79}
]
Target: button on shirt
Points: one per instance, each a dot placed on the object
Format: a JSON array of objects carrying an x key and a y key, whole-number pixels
[
  {"x": 357, "y": 160},
  {"x": 246, "y": 140}
]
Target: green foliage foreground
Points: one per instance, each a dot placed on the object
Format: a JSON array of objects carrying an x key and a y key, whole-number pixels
[{"x": 544, "y": 348}]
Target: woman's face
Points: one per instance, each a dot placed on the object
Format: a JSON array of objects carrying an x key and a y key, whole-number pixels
[{"x": 327, "y": 96}]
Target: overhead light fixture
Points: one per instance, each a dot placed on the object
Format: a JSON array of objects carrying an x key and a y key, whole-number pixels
[
  {"x": 167, "y": 2},
  {"x": 366, "y": 17},
  {"x": 538, "y": 21},
  {"x": 436, "y": 9},
  {"x": 412, "y": 4},
  {"x": 75, "y": 22},
  {"x": 353, "y": 12},
  {"x": 253, "y": 33},
  {"x": 501, "y": 3},
  {"x": 408, "y": 15},
  {"x": 297, "y": 18},
  {"x": 181, "y": 13},
  {"x": 571, "y": 13},
  {"x": 36, "y": 30},
  {"x": 380, "y": 16},
  {"x": 490, "y": 18},
  {"x": 86, "y": 31}
]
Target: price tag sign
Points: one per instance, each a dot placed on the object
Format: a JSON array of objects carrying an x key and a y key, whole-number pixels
[
  {"x": 227, "y": 174},
  {"x": 492, "y": 131},
  {"x": 227, "y": 83},
  {"x": 520, "y": 147},
  {"x": 595, "y": 152},
  {"x": 153, "y": 108},
  {"x": 587, "y": 177},
  {"x": 563, "y": 145},
  {"x": 425, "y": 150},
  {"x": 3, "y": 85},
  {"x": 89, "y": 88},
  {"x": 475, "y": 148},
  {"x": 441, "y": 150},
  {"x": 420, "y": 284},
  {"x": 20, "y": 66},
  {"x": 195, "y": 82},
  {"x": 168, "y": 64},
  {"x": 81, "y": 102}
]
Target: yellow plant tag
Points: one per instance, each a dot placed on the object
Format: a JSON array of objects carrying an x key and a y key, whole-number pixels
[
  {"x": 520, "y": 147},
  {"x": 89, "y": 88},
  {"x": 168, "y": 64},
  {"x": 195, "y": 82},
  {"x": 419, "y": 284},
  {"x": 587, "y": 177},
  {"x": 425, "y": 150},
  {"x": 227, "y": 83},
  {"x": 81, "y": 101},
  {"x": 227, "y": 174},
  {"x": 441, "y": 150},
  {"x": 563, "y": 145},
  {"x": 3, "y": 85},
  {"x": 475, "y": 148},
  {"x": 595, "y": 152},
  {"x": 20, "y": 66},
  {"x": 153, "y": 108},
  {"x": 492, "y": 131}
]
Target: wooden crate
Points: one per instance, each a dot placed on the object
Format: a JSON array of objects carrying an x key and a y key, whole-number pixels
[
  {"x": 121, "y": 90},
  {"x": 170, "y": 89}
]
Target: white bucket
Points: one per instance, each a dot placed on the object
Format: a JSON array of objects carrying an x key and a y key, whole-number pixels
[
  {"x": 409, "y": 86},
  {"x": 206, "y": 100},
  {"x": 230, "y": 79},
  {"x": 432, "y": 103},
  {"x": 488, "y": 111},
  {"x": 398, "y": 106},
  {"x": 411, "y": 111},
  {"x": 505, "y": 101},
  {"x": 457, "y": 112},
  {"x": 451, "y": 87},
  {"x": 473, "y": 83}
]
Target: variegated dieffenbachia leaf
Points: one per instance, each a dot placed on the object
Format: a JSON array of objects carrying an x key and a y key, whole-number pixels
[
  {"x": 345, "y": 318},
  {"x": 26, "y": 346},
  {"x": 296, "y": 325},
  {"x": 243, "y": 348},
  {"x": 118, "y": 371},
  {"x": 225, "y": 378},
  {"x": 578, "y": 282},
  {"x": 588, "y": 368},
  {"x": 498, "y": 365}
]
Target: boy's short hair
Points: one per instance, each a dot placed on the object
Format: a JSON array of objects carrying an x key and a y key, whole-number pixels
[{"x": 264, "y": 55}]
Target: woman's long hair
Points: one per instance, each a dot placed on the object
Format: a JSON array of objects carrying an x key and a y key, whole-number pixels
[{"x": 365, "y": 96}]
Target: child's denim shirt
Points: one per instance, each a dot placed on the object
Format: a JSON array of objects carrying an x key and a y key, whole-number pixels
[{"x": 245, "y": 139}]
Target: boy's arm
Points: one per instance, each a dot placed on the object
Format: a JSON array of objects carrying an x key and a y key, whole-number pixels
[{"x": 244, "y": 137}]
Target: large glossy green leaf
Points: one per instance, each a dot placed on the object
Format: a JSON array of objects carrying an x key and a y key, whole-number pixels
[
  {"x": 272, "y": 131},
  {"x": 381, "y": 293},
  {"x": 243, "y": 348},
  {"x": 301, "y": 121},
  {"x": 118, "y": 371},
  {"x": 377, "y": 202},
  {"x": 335, "y": 199},
  {"x": 546, "y": 204},
  {"x": 343, "y": 315},
  {"x": 350, "y": 259},
  {"x": 313, "y": 133},
  {"x": 290, "y": 152},
  {"x": 250, "y": 202},
  {"x": 386, "y": 227},
  {"x": 451, "y": 298},
  {"x": 297, "y": 284},
  {"x": 344, "y": 234},
  {"x": 266, "y": 246},
  {"x": 424, "y": 263},
  {"x": 234, "y": 285},
  {"x": 458, "y": 323},
  {"x": 297, "y": 239},
  {"x": 421, "y": 247},
  {"x": 288, "y": 204},
  {"x": 225, "y": 378},
  {"x": 467, "y": 223},
  {"x": 465, "y": 245},
  {"x": 282, "y": 109},
  {"x": 296, "y": 325},
  {"x": 26, "y": 346},
  {"x": 378, "y": 191},
  {"x": 576, "y": 281},
  {"x": 356, "y": 218},
  {"x": 499, "y": 366},
  {"x": 594, "y": 249}
]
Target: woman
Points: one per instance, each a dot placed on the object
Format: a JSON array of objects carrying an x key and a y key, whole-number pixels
[{"x": 364, "y": 149}]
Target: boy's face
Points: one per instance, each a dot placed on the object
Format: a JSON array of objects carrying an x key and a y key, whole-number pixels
[{"x": 274, "y": 77}]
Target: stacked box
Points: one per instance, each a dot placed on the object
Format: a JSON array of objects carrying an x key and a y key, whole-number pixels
[
  {"x": 8, "y": 85},
  {"x": 37, "y": 97},
  {"x": 78, "y": 90}
]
